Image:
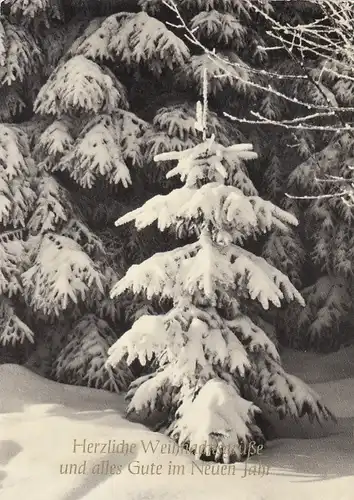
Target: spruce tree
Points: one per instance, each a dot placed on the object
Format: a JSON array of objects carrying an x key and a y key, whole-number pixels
[
  {"x": 204, "y": 354},
  {"x": 56, "y": 271}
]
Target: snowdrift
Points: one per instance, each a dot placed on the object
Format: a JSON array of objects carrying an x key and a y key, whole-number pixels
[{"x": 49, "y": 431}]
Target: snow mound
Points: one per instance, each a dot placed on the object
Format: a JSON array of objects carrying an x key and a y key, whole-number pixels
[{"x": 21, "y": 389}]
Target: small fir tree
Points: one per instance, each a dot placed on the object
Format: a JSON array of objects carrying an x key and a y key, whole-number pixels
[{"x": 205, "y": 355}]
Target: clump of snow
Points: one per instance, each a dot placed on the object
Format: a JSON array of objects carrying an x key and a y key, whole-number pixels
[{"x": 225, "y": 423}]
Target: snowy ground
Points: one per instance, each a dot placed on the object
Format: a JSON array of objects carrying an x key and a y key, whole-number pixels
[{"x": 39, "y": 421}]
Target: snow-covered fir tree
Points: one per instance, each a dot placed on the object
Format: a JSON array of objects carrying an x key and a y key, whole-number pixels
[
  {"x": 54, "y": 266},
  {"x": 204, "y": 354}
]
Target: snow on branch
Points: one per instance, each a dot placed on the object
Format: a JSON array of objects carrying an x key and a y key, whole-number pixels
[
  {"x": 82, "y": 361},
  {"x": 60, "y": 273},
  {"x": 55, "y": 141},
  {"x": 51, "y": 208},
  {"x": 292, "y": 124},
  {"x": 219, "y": 26},
  {"x": 224, "y": 208},
  {"x": 203, "y": 267},
  {"x": 186, "y": 337},
  {"x": 16, "y": 193},
  {"x": 94, "y": 42},
  {"x": 80, "y": 85},
  {"x": 134, "y": 38},
  {"x": 142, "y": 38},
  {"x": 20, "y": 55},
  {"x": 223, "y": 73},
  {"x": 253, "y": 337},
  {"x": 97, "y": 152},
  {"x": 178, "y": 121},
  {"x": 193, "y": 344},
  {"x": 13, "y": 330},
  {"x": 34, "y": 8},
  {"x": 12, "y": 251},
  {"x": 290, "y": 396}
]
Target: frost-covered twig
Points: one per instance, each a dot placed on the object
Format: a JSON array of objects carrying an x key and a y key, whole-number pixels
[
  {"x": 220, "y": 62},
  {"x": 329, "y": 37}
]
